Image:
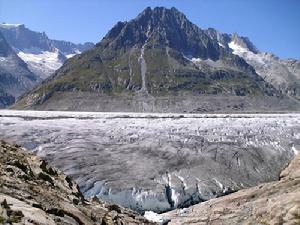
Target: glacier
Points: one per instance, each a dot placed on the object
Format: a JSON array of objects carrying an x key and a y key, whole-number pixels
[
  {"x": 43, "y": 63},
  {"x": 158, "y": 162}
]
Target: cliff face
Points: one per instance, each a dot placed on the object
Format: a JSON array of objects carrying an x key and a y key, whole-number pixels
[
  {"x": 32, "y": 192},
  {"x": 270, "y": 203}
]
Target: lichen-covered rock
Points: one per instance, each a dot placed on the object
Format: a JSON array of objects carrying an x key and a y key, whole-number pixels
[
  {"x": 32, "y": 192},
  {"x": 276, "y": 202}
]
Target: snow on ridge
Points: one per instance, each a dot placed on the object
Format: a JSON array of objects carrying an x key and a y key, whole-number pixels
[
  {"x": 75, "y": 52},
  {"x": 267, "y": 65},
  {"x": 237, "y": 49},
  {"x": 10, "y": 25},
  {"x": 246, "y": 53},
  {"x": 70, "y": 55}
]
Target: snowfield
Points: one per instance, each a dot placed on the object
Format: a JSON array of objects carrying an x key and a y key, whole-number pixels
[
  {"x": 43, "y": 63},
  {"x": 157, "y": 162}
]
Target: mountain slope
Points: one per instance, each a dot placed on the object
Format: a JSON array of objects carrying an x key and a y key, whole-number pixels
[
  {"x": 6, "y": 99},
  {"x": 32, "y": 192},
  {"x": 42, "y": 54},
  {"x": 277, "y": 202},
  {"x": 15, "y": 77},
  {"x": 159, "y": 62}
]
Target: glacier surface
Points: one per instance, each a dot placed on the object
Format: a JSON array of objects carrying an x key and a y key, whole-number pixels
[{"x": 158, "y": 162}]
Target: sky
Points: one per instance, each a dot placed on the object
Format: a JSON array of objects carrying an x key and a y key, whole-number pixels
[{"x": 272, "y": 25}]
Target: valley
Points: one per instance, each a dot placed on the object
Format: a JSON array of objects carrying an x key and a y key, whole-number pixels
[{"x": 159, "y": 120}]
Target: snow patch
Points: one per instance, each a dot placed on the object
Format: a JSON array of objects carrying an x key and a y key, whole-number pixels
[
  {"x": 156, "y": 218},
  {"x": 237, "y": 49},
  {"x": 246, "y": 53},
  {"x": 2, "y": 59},
  {"x": 75, "y": 52},
  {"x": 70, "y": 55},
  {"x": 221, "y": 45},
  {"x": 295, "y": 151}
]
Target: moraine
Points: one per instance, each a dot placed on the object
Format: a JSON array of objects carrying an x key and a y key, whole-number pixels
[{"x": 158, "y": 162}]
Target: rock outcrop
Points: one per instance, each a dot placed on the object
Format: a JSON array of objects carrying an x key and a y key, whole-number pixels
[
  {"x": 276, "y": 202},
  {"x": 32, "y": 192}
]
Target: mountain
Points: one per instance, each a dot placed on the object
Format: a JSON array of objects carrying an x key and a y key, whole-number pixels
[
  {"x": 284, "y": 75},
  {"x": 158, "y": 62},
  {"x": 33, "y": 192},
  {"x": 42, "y": 54},
  {"x": 269, "y": 203},
  {"x": 15, "y": 77},
  {"x": 6, "y": 99}
]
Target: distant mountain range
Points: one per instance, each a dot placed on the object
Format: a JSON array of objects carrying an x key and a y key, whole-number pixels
[
  {"x": 28, "y": 57},
  {"x": 42, "y": 54},
  {"x": 161, "y": 62},
  {"x": 15, "y": 77}
]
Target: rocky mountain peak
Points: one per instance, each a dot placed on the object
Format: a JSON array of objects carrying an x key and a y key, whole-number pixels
[
  {"x": 161, "y": 15},
  {"x": 161, "y": 27},
  {"x": 21, "y": 38},
  {"x": 244, "y": 42}
]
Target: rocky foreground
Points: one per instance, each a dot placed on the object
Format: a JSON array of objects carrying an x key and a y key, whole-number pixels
[
  {"x": 32, "y": 192},
  {"x": 276, "y": 202}
]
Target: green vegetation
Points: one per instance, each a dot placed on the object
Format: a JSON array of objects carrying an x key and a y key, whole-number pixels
[{"x": 114, "y": 72}]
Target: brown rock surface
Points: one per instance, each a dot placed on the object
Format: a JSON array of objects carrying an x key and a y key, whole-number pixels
[
  {"x": 32, "y": 192},
  {"x": 276, "y": 202}
]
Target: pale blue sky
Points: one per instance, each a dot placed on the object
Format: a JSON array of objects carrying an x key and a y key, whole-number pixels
[{"x": 272, "y": 25}]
